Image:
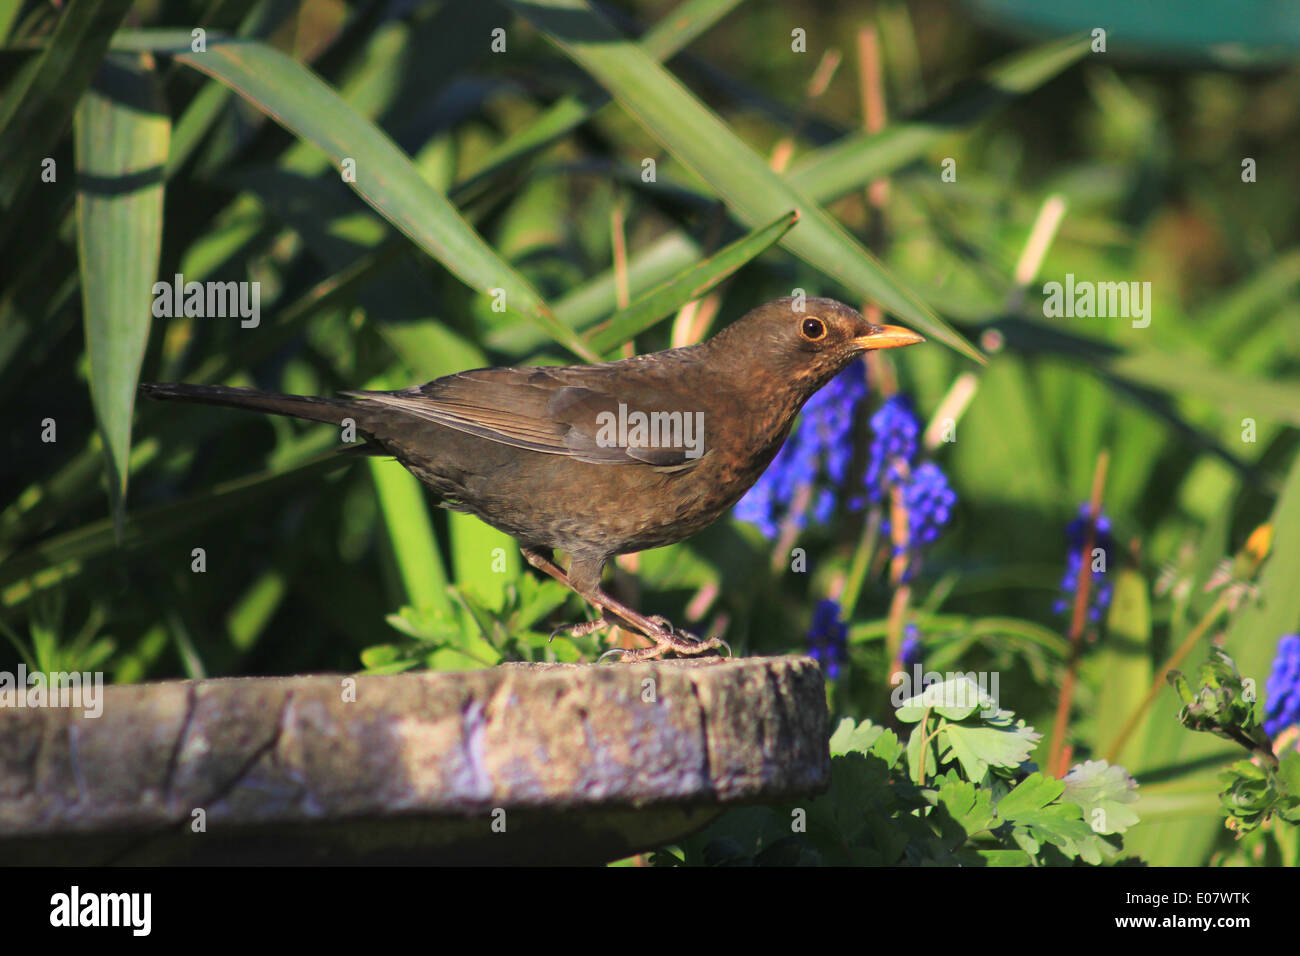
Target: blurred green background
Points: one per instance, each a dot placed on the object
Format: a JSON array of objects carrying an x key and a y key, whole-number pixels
[{"x": 128, "y": 156}]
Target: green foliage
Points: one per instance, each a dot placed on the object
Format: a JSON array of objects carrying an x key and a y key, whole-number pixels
[
  {"x": 54, "y": 647},
  {"x": 1253, "y": 793},
  {"x": 885, "y": 808},
  {"x": 476, "y": 172},
  {"x": 958, "y": 721},
  {"x": 686, "y": 286},
  {"x": 710, "y": 149},
  {"x": 1222, "y": 704},
  {"x": 478, "y": 632},
  {"x": 122, "y": 135}
]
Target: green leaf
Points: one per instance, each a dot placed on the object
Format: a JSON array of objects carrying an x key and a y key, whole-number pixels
[
  {"x": 122, "y": 133},
  {"x": 672, "y": 33},
  {"x": 41, "y": 100},
  {"x": 66, "y": 553},
  {"x": 1005, "y": 857},
  {"x": 686, "y": 285},
  {"x": 381, "y": 655},
  {"x": 9, "y": 10},
  {"x": 1262, "y": 295},
  {"x": 1288, "y": 771},
  {"x": 978, "y": 748},
  {"x": 888, "y": 748},
  {"x": 1173, "y": 371},
  {"x": 253, "y": 611},
  {"x": 1222, "y": 702},
  {"x": 410, "y": 532},
  {"x": 1103, "y": 793},
  {"x": 1123, "y": 663},
  {"x": 1161, "y": 370},
  {"x": 429, "y": 625},
  {"x": 955, "y": 698},
  {"x": 1032, "y": 808},
  {"x": 1062, "y": 825},
  {"x": 849, "y": 738},
  {"x": 856, "y": 160},
  {"x": 385, "y": 178},
  {"x": 535, "y": 599},
  {"x": 1252, "y": 794},
  {"x": 970, "y": 806},
  {"x": 739, "y": 175},
  {"x": 1030, "y": 795},
  {"x": 193, "y": 125}
]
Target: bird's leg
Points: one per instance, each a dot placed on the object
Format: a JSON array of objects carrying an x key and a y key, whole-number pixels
[
  {"x": 579, "y": 628},
  {"x": 584, "y": 577},
  {"x": 658, "y": 629},
  {"x": 542, "y": 563}
]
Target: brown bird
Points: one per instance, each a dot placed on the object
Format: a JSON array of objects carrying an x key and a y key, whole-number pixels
[{"x": 606, "y": 459}]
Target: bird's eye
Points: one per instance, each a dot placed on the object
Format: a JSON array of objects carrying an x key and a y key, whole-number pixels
[{"x": 812, "y": 329}]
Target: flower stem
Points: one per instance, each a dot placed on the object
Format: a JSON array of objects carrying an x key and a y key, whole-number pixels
[
  {"x": 1059, "y": 756},
  {"x": 897, "y": 615}
]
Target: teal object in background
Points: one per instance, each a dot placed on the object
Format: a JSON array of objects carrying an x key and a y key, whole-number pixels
[{"x": 1226, "y": 32}]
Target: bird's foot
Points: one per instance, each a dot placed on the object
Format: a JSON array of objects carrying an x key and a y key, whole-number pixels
[
  {"x": 580, "y": 629},
  {"x": 667, "y": 639}
]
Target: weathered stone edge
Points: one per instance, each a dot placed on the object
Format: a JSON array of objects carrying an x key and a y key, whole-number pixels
[{"x": 268, "y": 750}]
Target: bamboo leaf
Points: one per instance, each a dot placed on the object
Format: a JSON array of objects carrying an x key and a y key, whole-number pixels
[
  {"x": 1163, "y": 371},
  {"x": 1123, "y": 665},
  {"x": 824, "y": 174},
  {"x": 385, "y": 178},
  {"x": 687, "y": 285},
  {"x": 672, "y": 33},
  {"x": 67, "y": 554},
  {"x": 122, "y": 134},
  {"x": 42, "y": 99},
  {"x": 431, "y": 349},
  {"x": 1267, "y": 399},
  {"x": 740, "y": 176},
  {"x": 856, "y": 160},
  {"x": 406, "y": 516}
]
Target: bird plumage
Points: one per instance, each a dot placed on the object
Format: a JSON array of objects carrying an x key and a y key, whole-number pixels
[{"x": 529, "y": 449}]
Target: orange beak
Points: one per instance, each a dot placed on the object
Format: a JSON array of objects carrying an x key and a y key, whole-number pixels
[{"x": 888, "y": 337}]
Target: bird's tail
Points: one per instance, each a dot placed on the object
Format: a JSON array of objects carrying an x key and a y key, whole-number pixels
[{"x": 331, "y": 410}]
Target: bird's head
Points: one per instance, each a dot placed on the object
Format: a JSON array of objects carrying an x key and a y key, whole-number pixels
[{"x": 803, "y": 341}]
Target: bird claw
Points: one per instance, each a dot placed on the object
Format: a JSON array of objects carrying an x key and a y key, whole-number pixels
[
  {"x": 580, "y": 629},
  {"x": 669, "y": 638},
  {"x": 680, "y": 636}
]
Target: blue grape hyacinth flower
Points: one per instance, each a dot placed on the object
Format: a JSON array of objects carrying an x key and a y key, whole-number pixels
[
  {"x": 1101, "y": 590},
  {"x": 894, "y": 432},
  {"x": 929, "y": 501},
  {"x": 927, "y": 497},
  {"x": 828, "y": 638},
  {"x": 910, "y": 652},
  {"x": 1283, "y": 687},
  {"x": 817, "y": 455}
]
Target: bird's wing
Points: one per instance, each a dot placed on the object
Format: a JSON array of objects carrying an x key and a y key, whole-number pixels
[{"x": 587, "y": 413}]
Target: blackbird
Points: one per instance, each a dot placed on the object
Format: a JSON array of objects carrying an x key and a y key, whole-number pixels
[{"x": 603, "y": 459}]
